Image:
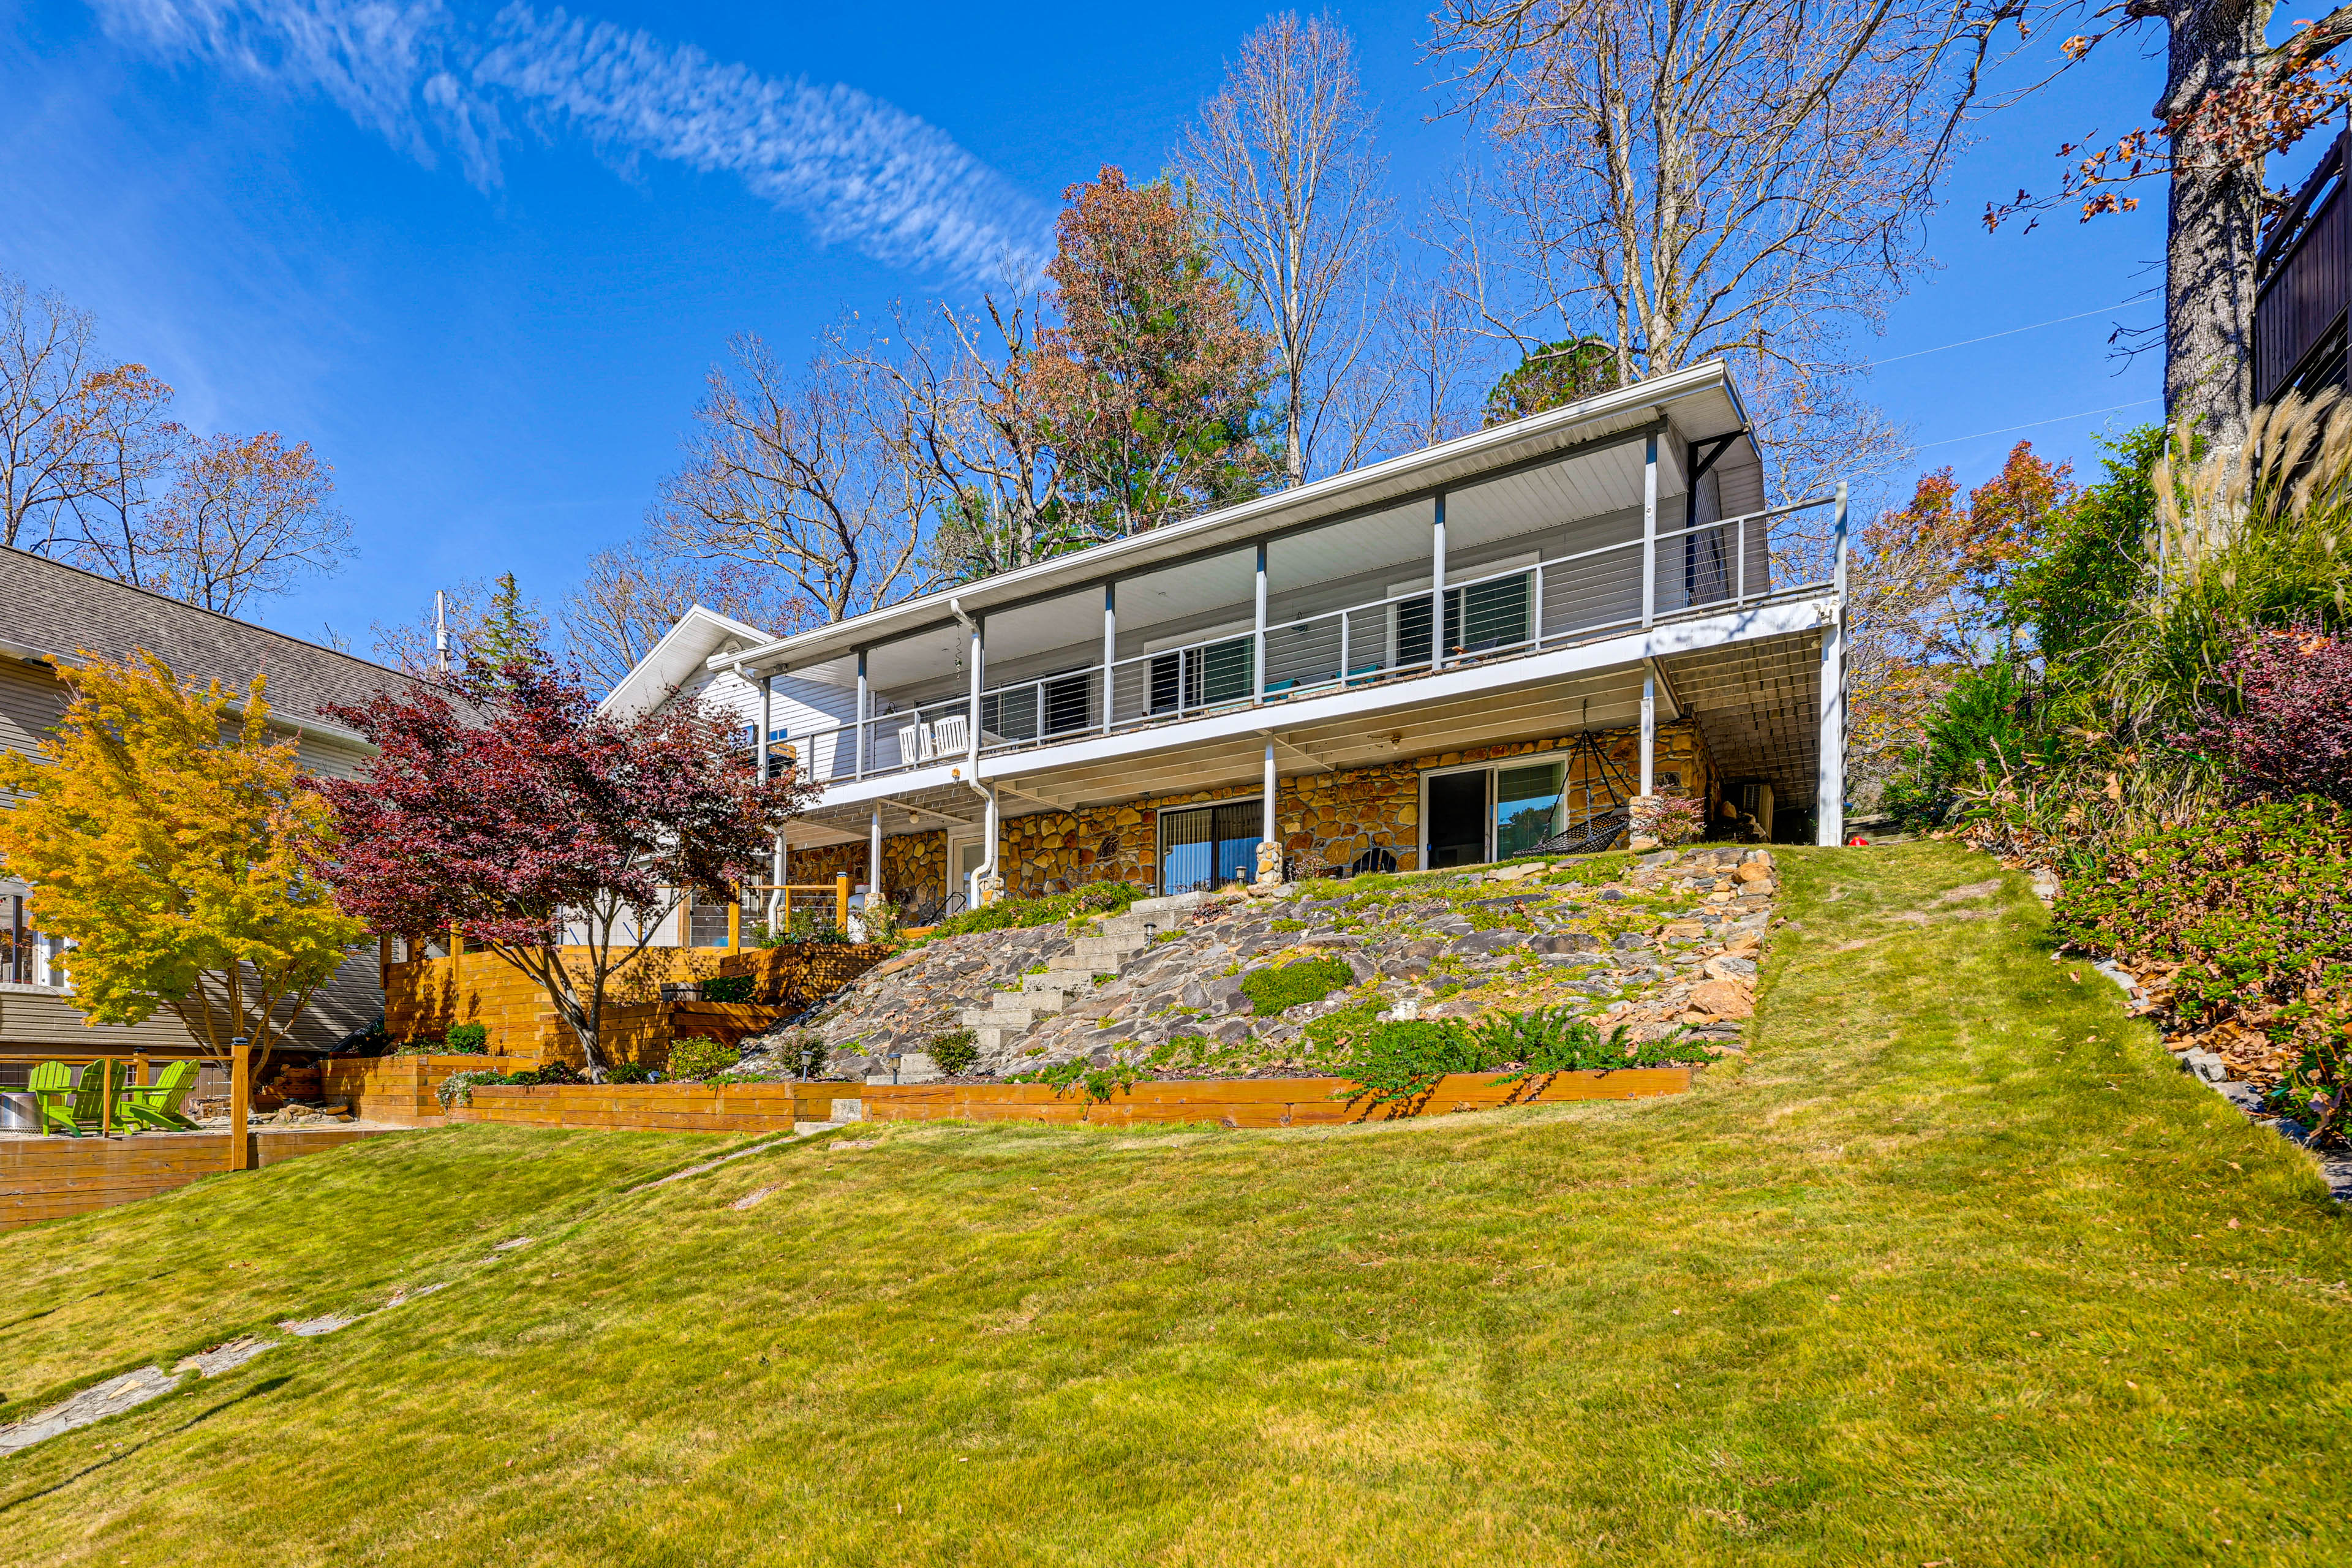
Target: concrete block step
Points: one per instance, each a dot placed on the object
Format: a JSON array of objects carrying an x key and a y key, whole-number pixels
[
  {"x": 1108, "y": 950},
  {"x": 1002, "y": 1017},
  {"x": 1172, "y": 904},
  {"x": 1062, "y": 982},
  {"x": 996, "y": 1037}
]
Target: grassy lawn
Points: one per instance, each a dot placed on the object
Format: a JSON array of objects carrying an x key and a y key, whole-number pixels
[{"x": 1957, "y": 1270}]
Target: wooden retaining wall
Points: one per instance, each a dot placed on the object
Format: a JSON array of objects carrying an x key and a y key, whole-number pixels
[
  {"x": 49, "y": 1178},
  {"x": 425, "y": 997},
  {"x": 1250, "y": 1102},
  {"x": 401, "y": 1089},
  {"x": 660, "y": 1107}
]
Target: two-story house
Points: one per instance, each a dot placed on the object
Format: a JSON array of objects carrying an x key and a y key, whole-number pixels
[
  {"x": 49, "y": 613},
  {"x": 1451, "y": 657}
]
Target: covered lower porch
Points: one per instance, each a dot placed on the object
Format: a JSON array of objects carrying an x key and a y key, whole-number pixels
[{"x": 1545, "y": 753}]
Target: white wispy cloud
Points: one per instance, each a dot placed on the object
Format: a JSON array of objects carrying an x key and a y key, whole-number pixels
[{"x": 860, "y": 171}]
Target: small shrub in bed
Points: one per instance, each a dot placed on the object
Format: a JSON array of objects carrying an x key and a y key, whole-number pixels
[
  {"x": 2291, "y": 733},
  {"x": 698, "y": 1058},
  {"x": 954, "y": 1052},
  {"x": 1554, "y": 1039},
  {"x": 467, "y": 1040},
  {"x": 1272, "y": 991},
  {"x": 458, "y": 1088},
  {"x": 1094, "y": 899},
  {"x": 1403, "y": 1059},
  {"x": 2250, "y": 910},
  {"x": 727, "y": 988},
  {"x": 629, "y": 1072}
]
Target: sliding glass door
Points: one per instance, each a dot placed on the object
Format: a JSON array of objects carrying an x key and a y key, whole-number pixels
[
  {"x": 1208, "y": 845},
  {"x": 1481, "y": 814}
]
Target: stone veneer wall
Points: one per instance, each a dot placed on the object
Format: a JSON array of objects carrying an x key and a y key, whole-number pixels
[
  {"x": 914, "y": 865},
  {"x": 1334, "y": 816}
]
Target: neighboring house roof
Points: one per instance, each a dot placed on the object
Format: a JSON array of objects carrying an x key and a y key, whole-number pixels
[
  {"x": 681, "y": 654},
  {"x": 52, "y": 612}
]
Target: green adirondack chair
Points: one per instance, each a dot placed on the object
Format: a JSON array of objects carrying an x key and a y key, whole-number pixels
[
  {"x": 52, "y": 1087},
  {"x": 157, "y": 1104},
  {"x": 84, "y": 1111}
]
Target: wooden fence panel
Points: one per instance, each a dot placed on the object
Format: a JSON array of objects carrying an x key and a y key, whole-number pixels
[{"x": 51, "y": 1178}]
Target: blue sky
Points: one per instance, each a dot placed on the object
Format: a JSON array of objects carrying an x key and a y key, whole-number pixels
[{"x": 492, "y": 306}]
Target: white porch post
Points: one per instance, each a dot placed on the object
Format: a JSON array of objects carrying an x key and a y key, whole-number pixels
[
  {"x": 1110, "y": 652},
  {"x": 777, "y": 904},
  {"x": 767, "y": 720},
  {"x": 1649, "y": 733},
  {"x": 1269, "y": 849},
  {"x": 972, "y": 757},
  {"x": 1258, "y": 638},
  {"x": 1829, "y": 804},
  {"x": 1437, "y": 585},
  {"x": 1649, "y": 534},
  {"x": 874, "y": 860},
  {"x": 865, "y": 707},
  {"x": 767, "y": 710}
]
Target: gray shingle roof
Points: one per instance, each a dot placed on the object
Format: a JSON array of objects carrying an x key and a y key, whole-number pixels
[{"x": 53, "y": 610}]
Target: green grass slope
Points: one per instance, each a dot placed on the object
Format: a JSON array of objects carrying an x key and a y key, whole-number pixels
[{"x": 1956, "y": 1269}]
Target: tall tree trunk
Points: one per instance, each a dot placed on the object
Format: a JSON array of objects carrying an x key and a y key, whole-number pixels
[{"x": 2214, "y": 211}]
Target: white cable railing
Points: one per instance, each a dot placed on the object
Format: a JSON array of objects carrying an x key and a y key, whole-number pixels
[{"x": 1702, "y": 568}]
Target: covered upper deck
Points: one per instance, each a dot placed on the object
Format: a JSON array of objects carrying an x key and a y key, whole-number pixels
[{"x": 1432, "y": 577}]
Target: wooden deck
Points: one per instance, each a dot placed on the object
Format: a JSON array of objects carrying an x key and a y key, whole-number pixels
[{"x": 50, "y": 1178}]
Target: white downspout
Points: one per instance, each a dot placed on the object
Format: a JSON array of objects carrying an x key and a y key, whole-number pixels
[{"x": 984, "y": 880}]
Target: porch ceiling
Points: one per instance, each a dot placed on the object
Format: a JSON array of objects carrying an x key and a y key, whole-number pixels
[{"x": 1758, "y": 705}]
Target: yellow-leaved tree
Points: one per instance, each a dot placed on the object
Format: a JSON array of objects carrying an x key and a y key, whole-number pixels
[{"x": 171, "y": 843}]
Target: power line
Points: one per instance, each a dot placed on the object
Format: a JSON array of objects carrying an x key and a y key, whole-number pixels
[
  {"x": 2012, "y": 331},
  {"x": 2035, "y": 424}
]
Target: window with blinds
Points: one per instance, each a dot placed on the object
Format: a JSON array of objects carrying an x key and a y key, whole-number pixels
[{"x": 1208, "y": 845}]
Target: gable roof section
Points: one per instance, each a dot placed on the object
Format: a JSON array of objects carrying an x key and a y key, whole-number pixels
[
  {"x": 51, "y": 612},
  {"x": 700, "y": 636}
]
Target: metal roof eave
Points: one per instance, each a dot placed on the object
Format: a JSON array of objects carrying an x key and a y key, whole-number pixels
[
  {"x": 683, "y": 649},
  {"x": 1463, "y": 460}
]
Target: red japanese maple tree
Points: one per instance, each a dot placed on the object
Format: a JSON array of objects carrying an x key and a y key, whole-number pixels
[{"x": 555, "y": 835}]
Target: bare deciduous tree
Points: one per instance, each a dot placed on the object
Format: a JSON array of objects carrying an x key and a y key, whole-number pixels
[
  {"x": 50, "y": 449},
  {"x": 959, "y": 407},
  {"x": 131, "y": 449},
  {"x": 1282, "y": 163},
  {"x": 802, "y": 478},
  {"x": 247, "y": 515},
  {"x": 636, "y": 593},
  {"x": 1435, "y": 355},
  {"x": 1734, "y": 178},
  {"x": 93, "y": 470}
]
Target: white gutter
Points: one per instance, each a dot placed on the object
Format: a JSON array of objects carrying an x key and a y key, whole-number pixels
[{"x": 277, "y": 716}]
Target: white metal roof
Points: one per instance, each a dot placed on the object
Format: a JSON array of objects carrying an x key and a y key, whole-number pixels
[{"x": 1700, "y": 401}]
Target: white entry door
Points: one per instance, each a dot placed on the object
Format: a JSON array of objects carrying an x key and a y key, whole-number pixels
[{"x": 965, "y": 856}]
